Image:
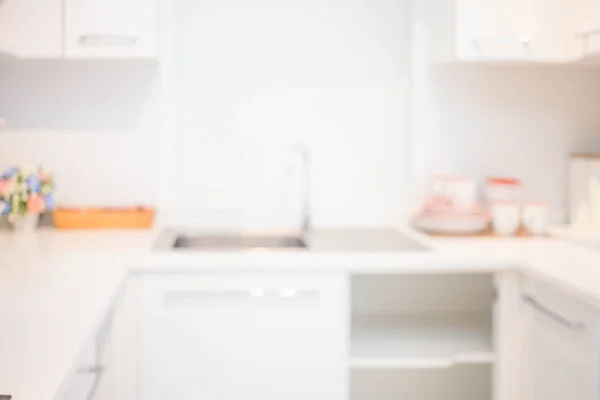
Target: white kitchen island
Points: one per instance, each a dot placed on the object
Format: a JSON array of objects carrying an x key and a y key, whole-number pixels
[{"x": 399, "y": 318}]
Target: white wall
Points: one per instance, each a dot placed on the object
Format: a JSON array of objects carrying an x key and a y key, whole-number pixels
[
  {"x": 95, "y": 124},
  {"x": 252, "y": 79},
  {"x": 520, "y": 121}
]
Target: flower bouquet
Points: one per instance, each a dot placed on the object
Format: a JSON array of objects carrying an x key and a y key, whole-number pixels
[{"x": 25, "y": 194}]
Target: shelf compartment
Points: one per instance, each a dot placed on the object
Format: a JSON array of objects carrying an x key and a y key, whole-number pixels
[
  {"x": 472, "y": 382},
  {"x": 431, "y": 340},
  {"x": 408, "y": 294}
]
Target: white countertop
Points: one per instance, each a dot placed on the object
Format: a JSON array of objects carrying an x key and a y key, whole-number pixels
[{"x": 55, "y": 287}]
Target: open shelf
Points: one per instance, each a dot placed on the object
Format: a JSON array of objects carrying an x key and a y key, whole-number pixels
[
  {"x": 431, "y": 340},
  {"x": 422, "y": 336},
  {"x": 468, "y": 382}
]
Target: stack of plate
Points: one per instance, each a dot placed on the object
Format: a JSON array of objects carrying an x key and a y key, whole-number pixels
[
  {"x": 451, "y": 208},
  {"x": 452, "y": 223}
]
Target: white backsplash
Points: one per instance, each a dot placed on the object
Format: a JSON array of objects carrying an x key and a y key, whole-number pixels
[
  {"x": 334, "y": 76},
  {"x": 522, "y": 121}
]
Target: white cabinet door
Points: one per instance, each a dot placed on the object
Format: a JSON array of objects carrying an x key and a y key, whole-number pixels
[
  {"x": 583, "y": 31},
  {"x": 106, "y": 367},
  {"x": 496, "y": 29},
  {"x": 231, "y": 337},
  {"x": 561, "y": 352},
  {"x": 31, "y": 28},
  {"x": 107, "y": 343},
  {"x": 508, "y": 338},
  {"x": 117, "y": 344},
  {"x": 85, "y": 378},
  {"x": 97, "y": 373},
  {"x": 110, "y": 28},
  {"x": 558, "y": 373}
]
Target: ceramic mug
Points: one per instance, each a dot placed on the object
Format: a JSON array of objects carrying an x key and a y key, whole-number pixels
[
  {"x": 535, "y": 218},
  {"x": 506, "y": 218},
  {"x": 503, "y": 190}
]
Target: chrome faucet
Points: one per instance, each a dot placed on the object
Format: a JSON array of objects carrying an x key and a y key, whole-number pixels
[{"x": 304, "y": 153}]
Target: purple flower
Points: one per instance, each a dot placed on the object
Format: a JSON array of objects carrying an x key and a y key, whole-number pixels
[
  {"x": 9, "y": 173},
  {"x": 33, "y": 183},
  {"x": 4, "y": 207},
  {"x": 50, "y": 202}
]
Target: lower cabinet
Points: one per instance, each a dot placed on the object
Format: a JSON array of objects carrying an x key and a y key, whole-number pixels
[
  {"x": 423, "y": 336},
  {"x": 106, "y": 366},
  {"x": 107, "y": 341},
  {"x": 231, "y": 336},
  {"x": 560, "y": 357},
  {"x": 93, "y": 376},
  {"x": 117, "y": 344},
  {"x": 465, "y": 382},
  {"x": 85, "y": 378},
  {"x": 254, "y": 336}
]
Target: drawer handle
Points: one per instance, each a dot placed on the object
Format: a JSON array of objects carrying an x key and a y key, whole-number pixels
[
  {"x": 108, "y": 40},
  {"x": 92, "y": 369},
  {"x": 586, "y": 35},
  {"x": 573, "y": 325},
  {"x": 97, "y": 370},
  {"x": 252, "y": 293},
  {"x": 523, "y": 40}
]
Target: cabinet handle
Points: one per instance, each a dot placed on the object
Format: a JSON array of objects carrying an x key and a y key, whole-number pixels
[
  {"x": 523, "y": 40},
  {"x": 586, "y": 35},
  {"x": 573, "y": 325},
  {"x": 108, "y": 40},
  {"x": 255, "y": 292},
  {"x": 97, "y": 370},
  {"x": 92, "y": 369}
]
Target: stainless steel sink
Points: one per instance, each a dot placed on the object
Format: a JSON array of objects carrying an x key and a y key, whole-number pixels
[{"x": 232, "y": 242}]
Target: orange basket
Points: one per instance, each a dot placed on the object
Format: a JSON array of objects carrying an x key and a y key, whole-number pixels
[{"x": 103, "y": 218}]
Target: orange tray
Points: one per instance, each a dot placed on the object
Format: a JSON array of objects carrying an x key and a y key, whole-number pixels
[{"x": 103, "y": 218}]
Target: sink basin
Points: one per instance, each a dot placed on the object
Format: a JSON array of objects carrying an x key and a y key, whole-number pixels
[{"x": 232, "y": 242}]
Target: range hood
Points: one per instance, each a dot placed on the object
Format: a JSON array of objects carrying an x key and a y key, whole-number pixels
[{"x": 5, "y": 55}]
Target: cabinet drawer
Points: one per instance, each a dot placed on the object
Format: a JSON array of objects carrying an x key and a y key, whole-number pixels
[
  {"x": 572, "y": 324},
  {"x": 110, "y": 29},
  {"x": 235, "y": 336},
  {"x": 196, "y": 287}
]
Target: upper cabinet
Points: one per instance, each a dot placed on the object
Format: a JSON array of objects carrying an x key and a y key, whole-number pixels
[
  {"x": 31, "y": 28},
  {"x": 511, "y": 30},
  {"x": 583, "y": 32},
  {"x": 110, "y": 28},
  {"x": 496, "y": 29}
]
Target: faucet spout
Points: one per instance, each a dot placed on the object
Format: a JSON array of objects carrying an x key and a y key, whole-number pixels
[{"x": 304, "y": 154}]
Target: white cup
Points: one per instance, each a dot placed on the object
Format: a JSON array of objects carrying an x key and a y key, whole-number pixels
[
  {"x": 535, "y": 218},
  {"x": 506, "y": 218}
]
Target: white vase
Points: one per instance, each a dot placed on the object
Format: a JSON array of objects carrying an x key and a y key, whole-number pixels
[{"x": 26, "y": 224}]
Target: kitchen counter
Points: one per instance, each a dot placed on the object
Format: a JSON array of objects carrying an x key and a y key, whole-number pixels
[{"x": 55, "y": 287}]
